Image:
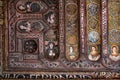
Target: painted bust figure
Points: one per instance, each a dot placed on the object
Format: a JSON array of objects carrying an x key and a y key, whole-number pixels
[
  {"x": 51, "y": 51},
  {"x": 94, "y": 54},
  {"x": 115, "y": 56},
  {"x": 51, "y": 17},
  {"x": 25, "y": 7},
  {"x": 26, "y": 27},
  {"x": 72, "y": 54}
]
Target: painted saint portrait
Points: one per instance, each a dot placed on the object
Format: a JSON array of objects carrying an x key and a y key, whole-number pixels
[
  {"x": 72, "y": 53},
  {"x": 29, "y": 7},
  {"x": 115, "y": 56},
  {"x": 30, "y": 26},
  {"x": 51, "y": 51},
  {"x": 94, "y": 53},
  {"x": 25, "y": 26},
  {"x": 25, "y": 7},
  {"x": 51, "y": 17}
]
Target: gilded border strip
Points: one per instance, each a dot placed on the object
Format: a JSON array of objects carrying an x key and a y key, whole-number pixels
[
  {"x": 82, "y": 26},
  {"x": 104, "y": 27}
]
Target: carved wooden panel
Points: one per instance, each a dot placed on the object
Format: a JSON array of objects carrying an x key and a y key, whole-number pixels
[{"x": 47, "y": 39}]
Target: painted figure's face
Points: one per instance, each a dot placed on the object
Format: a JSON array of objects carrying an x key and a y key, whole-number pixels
[
  {"x": 21, "y": 27},
  {"x": 93, "y": 48},
  {"x": 21, "y": 7},
  {"x": 51, "y": 45},
  {"x": 114, "y": 49}
]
